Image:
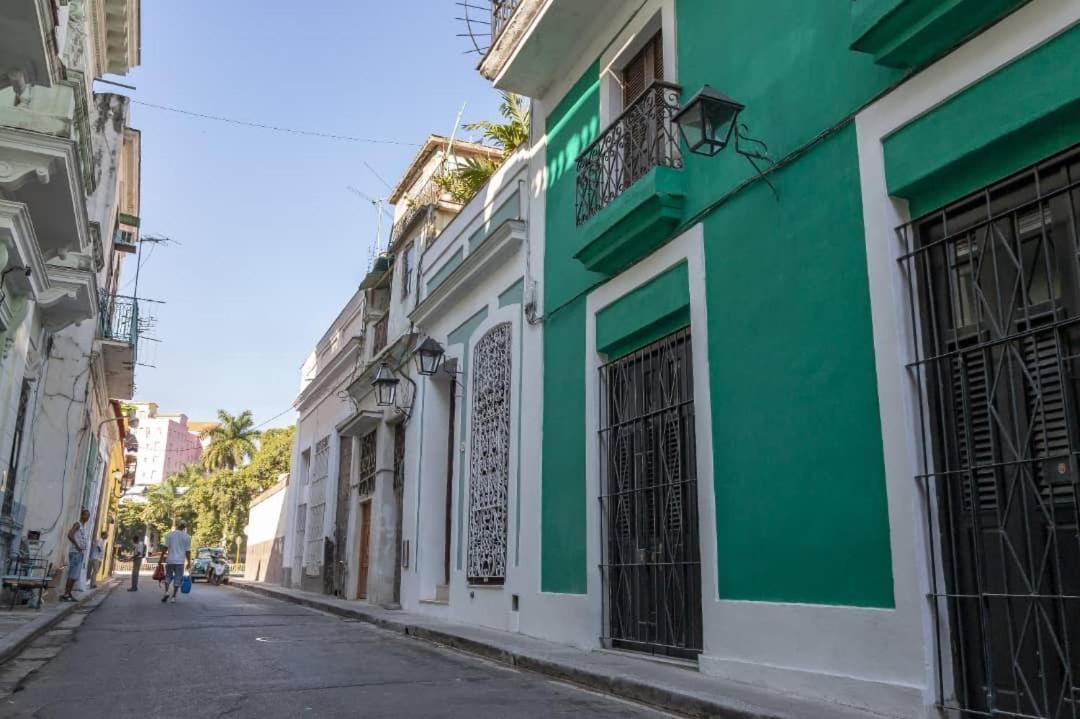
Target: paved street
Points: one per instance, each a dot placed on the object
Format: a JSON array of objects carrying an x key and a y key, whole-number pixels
[{"x": 220, "y": 652}]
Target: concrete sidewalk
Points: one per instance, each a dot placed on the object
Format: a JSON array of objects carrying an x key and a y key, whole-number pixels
[
  {"x": 666, "y": 686},
  {"x": 20, "y": 626}
]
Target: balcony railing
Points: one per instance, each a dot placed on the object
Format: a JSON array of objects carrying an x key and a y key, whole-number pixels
[
  {"x": 430, "y": 195},
  {"x": 118, "y": 320},
  {"x": 641, "y": 138},
  {"x": 501, "y": 12}
]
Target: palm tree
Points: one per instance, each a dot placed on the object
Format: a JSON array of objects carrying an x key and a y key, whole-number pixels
[
  {"x": 164, "y": 504},
  {"x": 232, "y": 441},
  {"x": 466, "y": 180}
]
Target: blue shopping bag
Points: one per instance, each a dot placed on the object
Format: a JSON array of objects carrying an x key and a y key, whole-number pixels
[{"x": 185, "y": 584}]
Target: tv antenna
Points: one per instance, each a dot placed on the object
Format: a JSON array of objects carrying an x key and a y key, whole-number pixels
[
  {"x": 477, "y": 19},
  {"x": 380, "y": 207}
]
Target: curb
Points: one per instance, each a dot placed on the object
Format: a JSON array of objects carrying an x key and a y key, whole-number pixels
[
  {"x": 653, "y": 695},
  {"x": 13, "y": 644}
]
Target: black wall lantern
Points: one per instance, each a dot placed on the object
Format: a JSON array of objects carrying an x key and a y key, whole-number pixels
[
  {"x": 429, "y": 357},
  {"x": 707, "y": 122},
  {"x": 710, "y": 121},
  {"x": 385, "y": 384}
]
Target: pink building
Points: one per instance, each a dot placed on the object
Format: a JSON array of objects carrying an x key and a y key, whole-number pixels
[{"x": 166, "y": 444}]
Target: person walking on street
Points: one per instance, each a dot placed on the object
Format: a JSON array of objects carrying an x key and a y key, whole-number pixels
[
  {"x": 177, "y": 555},
  {"x": 136, "y": 562},
  {"x": 79, "y": 536},
  {"x": 96, "y": 552}
]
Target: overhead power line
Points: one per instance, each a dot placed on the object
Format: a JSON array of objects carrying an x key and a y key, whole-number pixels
[{"x": 276, "y": 128}]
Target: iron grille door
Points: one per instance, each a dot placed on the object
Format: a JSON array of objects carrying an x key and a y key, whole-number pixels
[
  {"x": 651, "y": 553},
  {"x": 993, "y": 283}
]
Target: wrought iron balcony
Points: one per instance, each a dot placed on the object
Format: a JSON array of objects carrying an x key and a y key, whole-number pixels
[
  {"x": 431, "y": 194},
  {"x": 641, "y": 138},
  {"x": 501, "y": 12},
  {"x": 119, "y": 319}
]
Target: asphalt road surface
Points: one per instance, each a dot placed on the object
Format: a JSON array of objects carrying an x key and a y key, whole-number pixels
[{"x": 221, "y": 652}]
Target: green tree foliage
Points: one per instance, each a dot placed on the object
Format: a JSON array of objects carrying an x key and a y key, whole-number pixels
[
  {"x": 213, "y": 496},
  {"x": 129, "y": 522},
  {"x": 466, "y": 180},
  {"x": 232, "y": 441}
]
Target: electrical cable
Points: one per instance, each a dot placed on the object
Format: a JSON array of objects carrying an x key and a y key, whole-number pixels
[{"x": 275, "y": 128}]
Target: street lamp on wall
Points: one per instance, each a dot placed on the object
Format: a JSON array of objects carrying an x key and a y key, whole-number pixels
[
  {"x": 385, "y": 384},
  {"x": 429, "y": 357},
  {"x": 709, "y": 122}
]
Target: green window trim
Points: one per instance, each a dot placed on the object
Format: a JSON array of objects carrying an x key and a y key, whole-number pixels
[
  {"x": 645, "y": 314},
  {"x": 976, "y": 138}
]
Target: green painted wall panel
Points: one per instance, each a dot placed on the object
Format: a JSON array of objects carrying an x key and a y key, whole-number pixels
[
  {"x": 513, "y": 294},
  {"x": 975, "y": 138},
  {"x": 801, "y": 509},
  {"x": 912, "y": 33},
  {"x": 563, "y": 493},
  {"x": 443, "y": 272},
  {"x": 508, "y": 210},
  {"x": 651, "y": 311},
  {"x": 797, "y": 259},
  {"x": 461, "y": 336},
  {"x": 571, "y": 126}
]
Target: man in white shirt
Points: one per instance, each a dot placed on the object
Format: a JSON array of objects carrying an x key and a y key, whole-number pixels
[
  {"x": 136, "y": 561},
  {"x": 177, "y": 555},
  {"x": 96, "y": 552},
  {"x": 79, "y": 536}
]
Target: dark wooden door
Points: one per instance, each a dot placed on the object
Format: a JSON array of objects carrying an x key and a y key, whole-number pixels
[{"x": 365, "y": 544}]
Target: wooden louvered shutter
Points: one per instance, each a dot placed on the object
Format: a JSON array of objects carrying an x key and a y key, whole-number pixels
[
  {"x": 973, "y": 427},
  {"x": 1045, "y": 404},
  {"x": 643, "y": 69}
]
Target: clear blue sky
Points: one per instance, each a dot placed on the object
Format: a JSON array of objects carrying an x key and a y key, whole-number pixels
[{"x": 271, "y": 244}]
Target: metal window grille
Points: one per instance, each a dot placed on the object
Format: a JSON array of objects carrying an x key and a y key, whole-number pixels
[
  {"x": 651, "y": 558},
  {"x": 301, "y": 523},
  {"x": 489, "y": 460},
  {"x": 368, "y": 445},
  {"x": 406, "y": 270},
  {"x": 305, "y": 466},
  {"x": 994, "y": 290},
  {"x": 16, "y": 446},
  {"x": 641, "y": 138},
  {"x": 382, "y": 328},
  {"x": 315, "y": 530}
]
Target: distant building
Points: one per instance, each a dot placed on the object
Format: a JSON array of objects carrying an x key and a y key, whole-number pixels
[
  {"x": 265, "y": 532},
  {"x": 166, "y": 444},
  {"x": 199, "y": 428}
]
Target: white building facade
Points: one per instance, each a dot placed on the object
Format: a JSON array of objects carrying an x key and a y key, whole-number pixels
[{"x": 69, "y": 203}]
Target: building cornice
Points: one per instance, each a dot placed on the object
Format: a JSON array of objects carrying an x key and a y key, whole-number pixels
[{"x": 328, "y": 378}]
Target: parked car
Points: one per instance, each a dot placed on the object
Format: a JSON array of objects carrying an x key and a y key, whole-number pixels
[{"x": 204, "y": 558}]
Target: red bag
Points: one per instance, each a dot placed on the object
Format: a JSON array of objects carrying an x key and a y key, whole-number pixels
[{"x": 159, "y": 572}]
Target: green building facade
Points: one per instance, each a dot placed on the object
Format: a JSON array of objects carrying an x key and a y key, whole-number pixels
[{"x": 806, "y": 421}]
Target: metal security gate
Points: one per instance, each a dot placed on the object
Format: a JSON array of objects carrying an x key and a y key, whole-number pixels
[
  {"x": 994, "y": 287},
  {"x": 651, "y": 556}
]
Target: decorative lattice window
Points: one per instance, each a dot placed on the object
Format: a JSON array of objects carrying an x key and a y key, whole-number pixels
[{"x": 489, "y": 466}]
